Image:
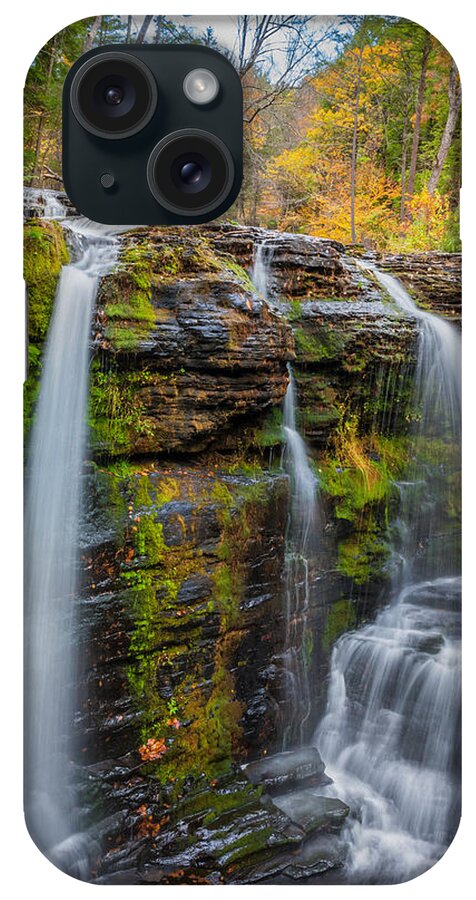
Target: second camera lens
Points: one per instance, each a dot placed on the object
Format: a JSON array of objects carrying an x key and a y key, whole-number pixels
[{"x": 190, "y": 172}]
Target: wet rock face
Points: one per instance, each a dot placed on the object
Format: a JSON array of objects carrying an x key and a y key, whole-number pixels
[
  {"x": 183, "y": 578},
  {"x": 183, "y": 610},
  {"x": 347, "y": 353},
  {"x": 192, "y": 348},
  {"x": 433, "y": 279},
  {"x": 40, "y": 202},
  {"x": 228, "y": 831},
  {"x": 305, "y": 267},
  {"x": 301, "y": 266}
]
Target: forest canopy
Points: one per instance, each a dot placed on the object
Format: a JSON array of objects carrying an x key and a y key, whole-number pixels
[{"x": 352, "y": 124}]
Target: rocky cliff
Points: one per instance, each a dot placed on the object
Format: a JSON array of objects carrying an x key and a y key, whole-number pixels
[{"x": 183, "y": 625}]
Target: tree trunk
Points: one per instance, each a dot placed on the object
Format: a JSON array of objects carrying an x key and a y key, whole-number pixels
[
  {"x": 129, "y": 28},
  {"x": 36, "y": 174},
  {"x": 418, "y": 113},
  {"x": 353, "y": 165},
  {"x": 91, "y": 35},
  {"x": 454, "y": 93},
  {"x": 143, "y": 29},
  {"x": 403, "y": 171},
  {"x": 158, "y": 29}
]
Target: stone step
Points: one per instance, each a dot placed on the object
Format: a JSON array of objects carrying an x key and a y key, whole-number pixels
[
  {"x": 283, "y": 771},
  {"x": 312, "y": 812}
]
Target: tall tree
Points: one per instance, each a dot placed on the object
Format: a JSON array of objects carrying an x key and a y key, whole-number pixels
[
  {"x": 425, "y": 53},
  {"x": 91, "y": 35},
  {"x": 454, "y": 96},
  {"x": 355, "y": 127},
  {"x": 143, "y": 29}
]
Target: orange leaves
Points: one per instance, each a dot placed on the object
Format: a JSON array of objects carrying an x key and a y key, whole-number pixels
[
  {"x": 173, "y": 723},
  {"x": 147, "y": 827},
  {"x": 154, "y": 748}
]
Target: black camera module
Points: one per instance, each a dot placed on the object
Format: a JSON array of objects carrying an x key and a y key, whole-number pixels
[
  {"x": 152, "y": 134},
  {"x": 190, "y": 172},
  {"x": 113, "y": 95}
]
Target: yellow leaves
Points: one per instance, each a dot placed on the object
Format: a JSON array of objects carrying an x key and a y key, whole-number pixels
[
  {"x": 153, "y": 749},
  {"x": 428, "y": 220}
]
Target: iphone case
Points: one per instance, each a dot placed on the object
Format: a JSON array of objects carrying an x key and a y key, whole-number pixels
[{"x": 243, "y": 478}]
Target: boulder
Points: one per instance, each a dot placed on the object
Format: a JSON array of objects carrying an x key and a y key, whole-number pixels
[{"x": 284, "y": 770}]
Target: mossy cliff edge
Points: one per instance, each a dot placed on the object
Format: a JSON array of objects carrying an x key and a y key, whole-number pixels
[{"x": 183, "y": 540}]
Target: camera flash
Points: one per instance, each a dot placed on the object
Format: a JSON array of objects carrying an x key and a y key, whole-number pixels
[{"x": 201, "y": 86}]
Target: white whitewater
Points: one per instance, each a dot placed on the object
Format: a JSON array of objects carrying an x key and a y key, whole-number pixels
[
  {"x": 53, "y": 502},
  {"x": 260, "y": 271},
  {"x": 302, "y": 539},
  {"x": 390, "y": 735}
]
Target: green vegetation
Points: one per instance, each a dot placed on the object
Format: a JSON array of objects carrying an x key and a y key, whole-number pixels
[
  {"x": 116, "y": 413},
  {"x": 362, "y": 471},
  {"x": 360, "y": 476},
  {"x": 126, "y": 297},
  {"x": 45, "y": 253},
  {"x": 270, "y": 434},
  {"x": 199, "y": 725},
  {"x": 325, "y": 343},
  {"x": 341, "y": 617}
]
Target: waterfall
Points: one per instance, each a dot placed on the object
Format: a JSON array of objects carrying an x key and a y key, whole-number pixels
[
  {"x": 302, "y": 539},
  {"x": 304, "y": 522},
  {"x": 390, "y": 734},
  {"x": 260, "y": 272},
  {"x": 53, "y": 502}
]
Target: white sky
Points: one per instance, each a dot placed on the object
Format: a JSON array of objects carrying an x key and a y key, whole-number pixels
[{"x": 225, "y": 31}]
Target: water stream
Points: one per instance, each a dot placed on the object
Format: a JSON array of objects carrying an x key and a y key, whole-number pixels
[
  {"x": 302, "y": 542},
  {"x": 53, "y": 499},
  {"x": 391, "y": 731}
]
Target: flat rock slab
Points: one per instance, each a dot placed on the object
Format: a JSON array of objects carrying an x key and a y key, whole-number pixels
[
  {"x": 316, "y": 856},
  {"x": 312, "y": 812},
  {"x": 283, "y": 770}
]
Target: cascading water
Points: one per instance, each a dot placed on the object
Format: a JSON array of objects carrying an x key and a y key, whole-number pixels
[
  {"x": 53, "y": 500},
  {"x": 390, "y": 735},
  {"x": 304, "y": 522},
  {"x": 260, "y": 272},
  {"x": 302, "y": 538}
]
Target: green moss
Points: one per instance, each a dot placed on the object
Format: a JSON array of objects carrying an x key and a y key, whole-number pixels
[
  {"x": 116, "y": 415},
  {"x": 149, "y": 540},
  {"x": 45, "y": 253},
  {"x": 363, "y": 555},
  {"x": 295, "y": 311},
  {"x": 341, "y": 617},
  {"x": 271, "y": 432},
  {"x": 165, "y": 636},
  {"x": 229, "y": 264},
  {"x": 31, "y": 386},
  {"x": 325, "y": 343},
  {"x": 126, "y": 297},
  {"x": 362, "y": 472},
  {"x": 308, "y": 647}
]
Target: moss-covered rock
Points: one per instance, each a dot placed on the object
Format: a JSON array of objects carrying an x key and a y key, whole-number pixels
[
  {"x": 45, "y": 253},
  {"x": 185, "y": 348}
]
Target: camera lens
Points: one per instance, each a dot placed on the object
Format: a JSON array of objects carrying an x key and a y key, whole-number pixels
[
  {"x": 113, "y": 95},
  {"x": 190, "y": 172}
]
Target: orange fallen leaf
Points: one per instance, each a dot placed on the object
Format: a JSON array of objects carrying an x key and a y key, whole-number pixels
[{"x": 154, "y": 748}]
